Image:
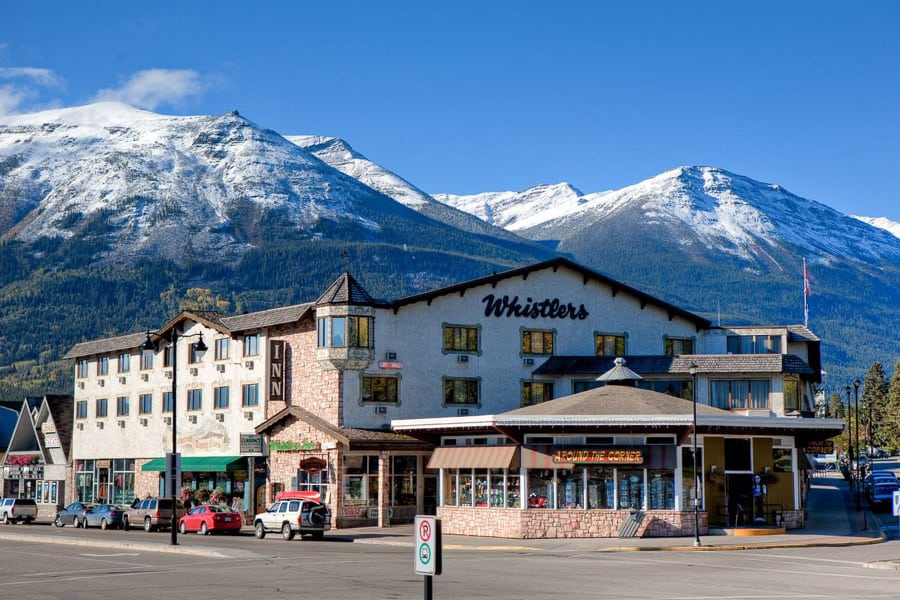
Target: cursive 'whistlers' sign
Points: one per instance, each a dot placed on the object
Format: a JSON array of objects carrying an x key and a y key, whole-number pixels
[{"x": 549, "y": 308}]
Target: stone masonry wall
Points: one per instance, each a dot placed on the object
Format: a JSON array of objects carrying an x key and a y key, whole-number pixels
[
  {"x": 309, "y": 386},
  {"x": 541, "y": 524}
]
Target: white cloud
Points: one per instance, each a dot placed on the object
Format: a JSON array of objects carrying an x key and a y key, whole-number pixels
[
  {"x": 151, "y": 88},
  {"x": 19, "y": 85}
]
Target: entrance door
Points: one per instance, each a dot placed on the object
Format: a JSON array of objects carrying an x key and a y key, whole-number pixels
[
  {"x": 103, "y": 485},
  {"x": 739, "y": 498}
]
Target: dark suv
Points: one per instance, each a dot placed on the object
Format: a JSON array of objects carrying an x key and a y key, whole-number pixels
[{"x": 151, "y": 513}]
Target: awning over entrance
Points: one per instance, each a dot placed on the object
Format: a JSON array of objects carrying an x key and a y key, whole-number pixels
[
  {"x": 475, "y": 457},
  {"x": 208, "y": 464}
]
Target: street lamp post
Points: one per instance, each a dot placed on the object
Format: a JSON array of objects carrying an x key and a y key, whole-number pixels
[
  {"x": 850, "y": 438},
  {"x": 856, "y": 408},
  {"x": 693, "y": 371},
  {"x": 199, "y": 346}
]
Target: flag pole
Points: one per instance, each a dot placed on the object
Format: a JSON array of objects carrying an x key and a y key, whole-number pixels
[{"x": 805, "y": 295}]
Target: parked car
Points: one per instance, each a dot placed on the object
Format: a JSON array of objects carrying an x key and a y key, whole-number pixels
[
  {"x": 881, "y": 495},
  {"x": 104, "y": 516},
  {"x": 880, "y": 476},
  {"x": 151, "y": 513},
  {"x": 72, "y": 514},
  {"x": 14, "y": 510},
  {"x": 303, "y": 513},
  {"x": 209, "y": 518}
]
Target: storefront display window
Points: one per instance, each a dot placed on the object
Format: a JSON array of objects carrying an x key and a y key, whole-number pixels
[
  {"x": 465, "y": 488},
  {"x": 631, "y": 488},
  {"x": 540, "y": 488},
  {"x": 569, "y": 488},
  {"x": 123, "y": 481},
  {"x": 601, "y": 487},
  {"x": 661, "y": 484},
  {"x": 403, "y": 481},
  {"x": 360, "y": 475},
  {"x": 687, "y": 477},
  {"x": 84, "y": 481},
  {"x": 498, "y": 487}
]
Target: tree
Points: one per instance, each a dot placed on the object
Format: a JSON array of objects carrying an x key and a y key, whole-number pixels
[
  {"x": 891, "y": 419},
  {"x": 874, "y": 400}
]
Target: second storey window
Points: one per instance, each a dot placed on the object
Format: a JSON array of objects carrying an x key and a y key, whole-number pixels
[
  {"x": 460, "y": 338},
  {"x": 222, "y": 349},
  {"x": 81, "y": 409},
  {"x": 609, "y": 344},
  {"x": 250, "y": 395},
  {"x": 146, "y": 360},
  {"x": 251, "y": 345},
  {"x": 536, "y": 392},
  {"x": 195, "y": 399},
  {"x": 100, "y": 408},
  {"x": 537, "y": 342},
  {"x": 167, "y": 356},
  {"x": 81, "y": 371},
  {"x": 461, "y": 392},
  {"x": 676, "y": 346},
  {"x": 740, "y": 394},
  {"x": 221, "y": 397},
  {"x": 103, "y": 365},
  {"x": 167, "y": 402},
  {"x": 754, "y": 344},
  {"x": 380, "y": 389},
  {"x": 122, "y": 406},
  {"x": 353, "y": 331},
  {"x": 145, "y": 404},
  {"x": 124, "y": 363},
  {"x": 194, "y": 355}
]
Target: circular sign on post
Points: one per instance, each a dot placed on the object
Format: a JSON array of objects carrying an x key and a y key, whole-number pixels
[{"x": 428, "y": 545}]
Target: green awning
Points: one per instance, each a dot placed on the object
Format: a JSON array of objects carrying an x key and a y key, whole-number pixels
[{"x": 209, "y": 464}]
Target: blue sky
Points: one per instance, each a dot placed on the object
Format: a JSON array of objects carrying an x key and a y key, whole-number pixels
[{"x": 465, "y": 97}]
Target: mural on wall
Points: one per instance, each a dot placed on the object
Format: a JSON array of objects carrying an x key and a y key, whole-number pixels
[{"x": 204, "y": 436}]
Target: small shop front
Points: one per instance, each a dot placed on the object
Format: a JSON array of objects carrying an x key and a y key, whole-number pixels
[
  {"x": 586, "y": 468},
  {"x": 202, "y": 476}
]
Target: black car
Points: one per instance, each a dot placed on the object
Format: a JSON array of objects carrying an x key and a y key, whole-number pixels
[{"x": 73, "y": 514}]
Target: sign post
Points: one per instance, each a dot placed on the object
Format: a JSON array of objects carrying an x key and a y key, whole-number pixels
[
  {"x": 428, "y": 550},
  {"x": 897, "y": 506}
]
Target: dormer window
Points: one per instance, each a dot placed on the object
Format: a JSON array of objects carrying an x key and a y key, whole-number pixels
[{"x": 754, "y": 344}]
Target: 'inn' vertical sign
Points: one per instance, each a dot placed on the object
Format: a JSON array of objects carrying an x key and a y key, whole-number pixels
[{"x": 276, "y": 370}]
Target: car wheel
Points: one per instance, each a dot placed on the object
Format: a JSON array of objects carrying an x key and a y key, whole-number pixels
[
  {"x": 259, "y": 531},
  {"x": 103, "y": 524},
  {"x": 58, "y": 522},
  {"x": 84, "y": 523},
  {"x": 182, "y": 527},
  {"x": 148, "y": 524},
  {"x": 286, "y": 532},
  {"x": 125, "y": 523},
  {"x": 6, "y": 518},
  {"x": 204, "y": 530}
]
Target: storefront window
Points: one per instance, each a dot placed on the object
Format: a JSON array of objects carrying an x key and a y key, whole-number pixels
[
  {"x": 465, "y": 488},
  {"x": 631, "y": 488},
  {"x": 661, "y": 483},
  {"x": 313, "y": 481},
  {"x": 498, "y": 487},
  {"x": 481, "y": 487},
  {"x": 569, "y": 488},
  {"x": 360, "y": 485},
  {"x": 123, "y": 481},
  {"x": 601, "y": 487},
  {"x": 84, "y": 481},
  {"x": 451, "y": 489},
  {"x": 540, "y": 488},
  {"x": 687, "y": 477},
  {"x": 403, "y": 481}
]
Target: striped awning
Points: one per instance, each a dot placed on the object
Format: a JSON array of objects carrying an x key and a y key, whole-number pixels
[
  {"x": 541, "y": 458},
  {"x": 475, "y": 457}
]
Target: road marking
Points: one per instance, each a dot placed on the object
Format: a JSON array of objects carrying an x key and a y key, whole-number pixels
[{"x": 113, "y": 554}]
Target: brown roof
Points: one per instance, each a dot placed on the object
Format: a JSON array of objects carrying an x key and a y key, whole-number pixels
[
  {"x": 346, "y": 290},
  {"x": 267, "y": 318},
  {"x": 613, "y": 400},
  {"x": 107, "y": 345}
]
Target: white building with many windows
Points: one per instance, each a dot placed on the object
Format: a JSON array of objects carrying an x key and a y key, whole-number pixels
[{"x": 303, "y": 397}]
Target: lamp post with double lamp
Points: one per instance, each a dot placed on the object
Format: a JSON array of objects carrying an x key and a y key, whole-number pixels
[
  {"x": 858, "y": 465},
  {"x": 198, "y": 347},
  {"x": 693, "y": 371}
]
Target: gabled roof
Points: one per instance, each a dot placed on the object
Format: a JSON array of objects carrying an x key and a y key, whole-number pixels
[
  {"x": 555, "y": 264},
  {"x": 616, "y": 400},
  {"x": 678, "y": 365},
  {"x": 346, "y": 290},
  {"x": 353, "y": 439},
  {"x": 107, "y": 345},
  {"x": 62, "y": 412}
]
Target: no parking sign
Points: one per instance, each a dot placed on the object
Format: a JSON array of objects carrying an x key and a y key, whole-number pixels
[{"x": 428, "y": 545}]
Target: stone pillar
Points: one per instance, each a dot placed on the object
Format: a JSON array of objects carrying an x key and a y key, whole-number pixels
[{"x": 384, "y": 488}]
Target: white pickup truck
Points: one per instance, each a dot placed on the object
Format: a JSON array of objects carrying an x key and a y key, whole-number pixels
[
  {"x": 13, "y": 510},
  {"x": 292, "y": 513}
]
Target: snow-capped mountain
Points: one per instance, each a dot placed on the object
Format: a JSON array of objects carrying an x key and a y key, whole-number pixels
[
  {"x": 338, "y": 153},
  {"x": 711, "y": 207},
  {"x": 205, "y": 187},
  {"x": 519, "y": 211},
  {"x": 888, "y": 225}
]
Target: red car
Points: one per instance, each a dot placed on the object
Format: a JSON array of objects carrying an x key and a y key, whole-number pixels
[{"x": 207, "y": 518}]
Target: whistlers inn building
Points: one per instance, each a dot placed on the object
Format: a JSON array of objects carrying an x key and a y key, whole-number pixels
[{"x": 396, "y": 408}]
